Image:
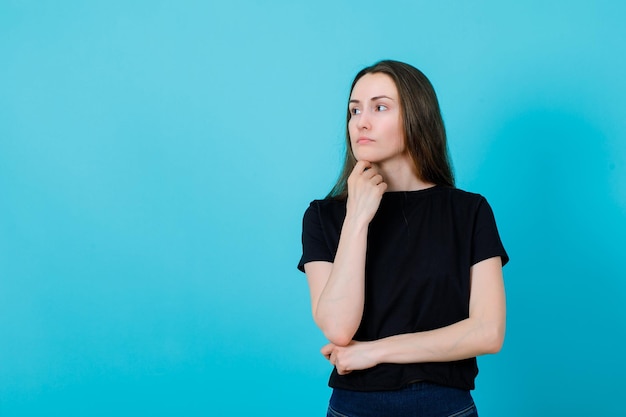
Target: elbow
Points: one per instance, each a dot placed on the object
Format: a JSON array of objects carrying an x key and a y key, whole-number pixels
[
  {"x": 341, "y": 339},
  {"x": 339, "y": 329},
  {"x": 493, "y": 339},
  {"x": 336, "y": 334}
]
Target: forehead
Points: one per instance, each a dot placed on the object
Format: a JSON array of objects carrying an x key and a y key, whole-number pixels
[{"x": 374, "y": 85}]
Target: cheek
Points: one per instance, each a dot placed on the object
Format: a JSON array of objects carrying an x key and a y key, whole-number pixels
[
  {"x": 352, "y": 131},
  {"x": 353, "y": 146},
  {"x": 351, "y": 125},
  {"x": 400, "y": 137}
]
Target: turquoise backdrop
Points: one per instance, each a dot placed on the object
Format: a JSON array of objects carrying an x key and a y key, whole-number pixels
[{"x": 156, "y": 158}]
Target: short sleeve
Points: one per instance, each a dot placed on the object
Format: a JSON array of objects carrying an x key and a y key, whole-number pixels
[
  {"x": 314, "y": 243},
  {"x": 486, "y": 241}
]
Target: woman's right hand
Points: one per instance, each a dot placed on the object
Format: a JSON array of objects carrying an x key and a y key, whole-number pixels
[{"x": 365, "y": 190}]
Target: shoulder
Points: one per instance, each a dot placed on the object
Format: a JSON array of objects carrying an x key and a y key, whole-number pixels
[
  {"x": 466, "y": 205},
  {"x": 326, "y": 207},
  {"x": 462, "y": 197},
  {"x": 461, "y": 194}
]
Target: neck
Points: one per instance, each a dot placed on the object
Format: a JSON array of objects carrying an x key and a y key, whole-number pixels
[{"x": 401, "y": 176}]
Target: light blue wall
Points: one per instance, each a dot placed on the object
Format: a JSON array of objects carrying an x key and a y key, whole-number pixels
[{"x": 156, "y": 158}]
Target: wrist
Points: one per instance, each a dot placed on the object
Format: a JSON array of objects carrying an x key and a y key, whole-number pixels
[
  {"x": 356, "y": 223},
  {"x": 378, "y": 351}
]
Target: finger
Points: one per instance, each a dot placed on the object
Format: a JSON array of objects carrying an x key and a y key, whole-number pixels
[
  {"x": 369, "y": 173},
  {"x": 362, "y": 166},
  {"x": 377, "y": 179},
  {"x": 327, "y": 350},
  {"x": 343, "y": 371}
]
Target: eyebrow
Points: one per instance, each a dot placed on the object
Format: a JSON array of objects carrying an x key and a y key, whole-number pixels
[{"x": 372, "y": 99}]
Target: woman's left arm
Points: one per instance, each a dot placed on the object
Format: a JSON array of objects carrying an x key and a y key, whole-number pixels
[{"x": 481, "y": 333}]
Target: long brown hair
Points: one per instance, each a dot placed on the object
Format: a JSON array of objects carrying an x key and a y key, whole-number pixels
[{"x": 424, "y": 131}]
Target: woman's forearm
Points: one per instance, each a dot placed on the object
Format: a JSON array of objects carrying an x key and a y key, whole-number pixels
[
  {"x": 340, "y": 306},
  {"x": 338, "y": 289},
  {"x": 466, "y": 339}
]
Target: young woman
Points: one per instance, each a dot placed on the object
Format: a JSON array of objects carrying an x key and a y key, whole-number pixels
[{"x": 404, "y": 269}]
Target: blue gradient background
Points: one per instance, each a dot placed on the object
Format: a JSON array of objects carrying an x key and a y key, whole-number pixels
[{"x": 156, "y": 159}]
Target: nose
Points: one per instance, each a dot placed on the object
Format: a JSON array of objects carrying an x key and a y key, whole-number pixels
[{"x": 363, "y": 121}]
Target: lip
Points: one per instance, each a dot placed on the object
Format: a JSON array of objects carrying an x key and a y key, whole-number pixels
[{"x": 364, "y": 140}]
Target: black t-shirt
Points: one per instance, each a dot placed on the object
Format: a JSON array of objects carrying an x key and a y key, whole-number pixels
[{"x": 420, "y": 247}]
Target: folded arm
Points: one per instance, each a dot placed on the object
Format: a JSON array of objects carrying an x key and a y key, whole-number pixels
[
  {"x": 338, "y": 288},
  {"x": 481, "y": 333}
]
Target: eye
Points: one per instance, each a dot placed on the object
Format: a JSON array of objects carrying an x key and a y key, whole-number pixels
[
  {"x": 354, "y": 111},
  {"x": 381, "y": 107}
]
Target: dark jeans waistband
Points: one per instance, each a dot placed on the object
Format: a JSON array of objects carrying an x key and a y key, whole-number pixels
[{"x": 420, "y": 398}]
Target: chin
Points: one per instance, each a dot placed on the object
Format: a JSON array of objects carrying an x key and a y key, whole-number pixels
[{"x": 367, "y": 156}]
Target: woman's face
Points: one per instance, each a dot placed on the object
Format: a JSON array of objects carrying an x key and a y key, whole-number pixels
[{"x": 375, "y": 126}]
